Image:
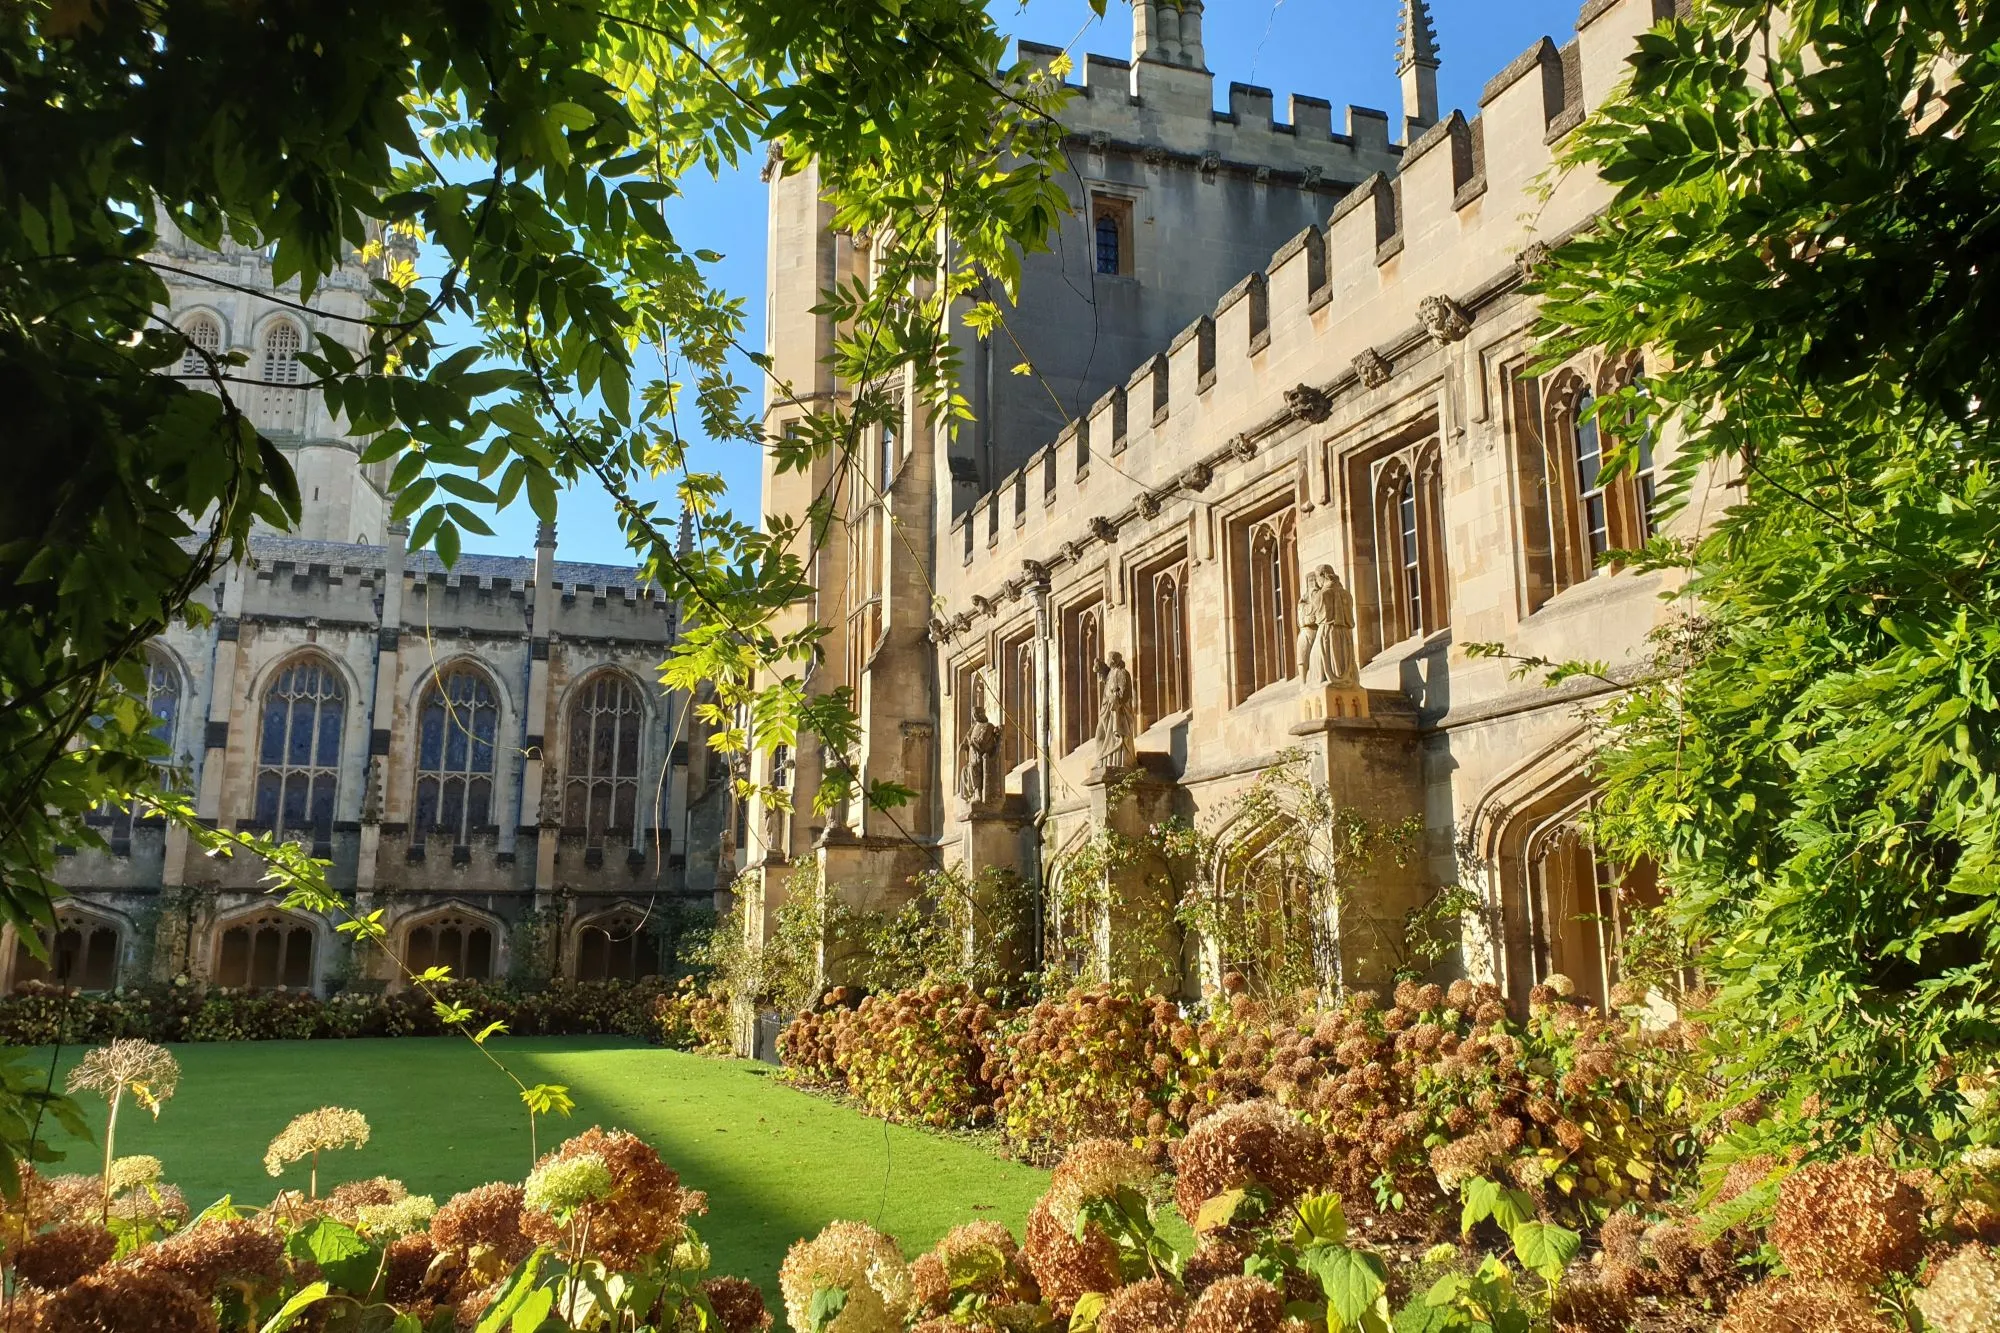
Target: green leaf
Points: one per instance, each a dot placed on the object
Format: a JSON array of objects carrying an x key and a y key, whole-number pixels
[
  {"x": 1089, "y": 1308},
  {"x": 1220, "y": 1211},
  {"x": 1322, "y": 1221},
  {"x": 827, "y": 1303},
  {"x": 289, "y": 1312},
  {"x": 348, "y": 1261},
  {"x": 534, "y": 1310},
  {"x": 1353, "y": 1280},
  {"x": 1544, "y": 1248}
]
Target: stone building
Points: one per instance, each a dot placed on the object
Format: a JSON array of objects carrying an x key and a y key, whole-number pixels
[
  {"x": 482, "y": 753},
  {"x": 1291, "y": 487}
]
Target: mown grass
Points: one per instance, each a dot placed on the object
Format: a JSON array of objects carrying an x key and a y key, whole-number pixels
[{"x": 777, "y": 1164}]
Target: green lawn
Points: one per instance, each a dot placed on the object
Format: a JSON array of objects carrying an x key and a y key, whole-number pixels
[{"x": 777, "y": 1164}]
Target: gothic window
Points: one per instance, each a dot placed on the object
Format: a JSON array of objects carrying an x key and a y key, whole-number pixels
[
  {"x": 463, "y": 944},
  {"x": 892, "y": 449},
  {"x": 163, "y": 701},
  {"x": 1111, "y": 233},
  {"x": 1163, "y": 640},
  {"x": 298, "y": 754},
  {"x": 618, "y": 947},
  {"x": 203, "y": 335},
  {"x": 1592, "y": 512},
  {"x": 456, "y": 725},
  {"x": 1017, "y": 702},
  {"x": 1408, "y": 550},
  {"x": 1083, "y": 650},
  {"x": 1269, "y": 590},
  {"x": 603, "y": 773},
  {"x": 270, "y": 949},
  {"x": 82, "y": 953},
  {"x": 281, "y": 354},
  {"x": 1584, "y": 512}
]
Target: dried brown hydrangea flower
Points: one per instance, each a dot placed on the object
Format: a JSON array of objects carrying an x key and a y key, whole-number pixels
[
  {"x": 218, "y": 1252},
  {"x": 124, "y": 1298},
  {"x": 325, "y": 1130},
  {"x": 1793, "y": 1305},
  {"x": 150, "y": 1073},
  {"x": 1258, "y": 1143},
  {"x": 1096, "y": 1169},
  {"x": 1064, "y": 1266},
  {"x": 738, "y": 1304},
  {"x": 489, "y": 1216},
  {"x": 345, "y": 1201},
  {"x": 642, "y": 1214},
  {"x": 58, "y": 1257},
  {"x": 1238, "y": 1305},
  {"x": 1853, "y": 1220},
  {"x": 1591, "y": 1307},
  {"x": 1152, "y": 1306}
]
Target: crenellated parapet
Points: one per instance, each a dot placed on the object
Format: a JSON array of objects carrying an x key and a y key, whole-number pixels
[{"x": 1404, "y": 266}]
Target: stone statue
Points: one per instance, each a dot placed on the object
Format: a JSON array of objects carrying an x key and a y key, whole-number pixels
[
  {"x": 1326, "y": 617},
  {"x": 371, "y": 792},
  {"x": 981, "y": 743},
  {"x": 1117, "y": 716},
  {"x": 551, "y": 815}
]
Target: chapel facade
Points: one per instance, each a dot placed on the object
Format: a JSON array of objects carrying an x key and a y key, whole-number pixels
[
  {"x": 482, "y": 753},
  {"x": 1288, "y": 452}
]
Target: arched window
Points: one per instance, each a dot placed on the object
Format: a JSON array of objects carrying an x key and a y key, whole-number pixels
[
  {"x": 602, "y": 780},
  {"x": 1018, "y": 742},
  {"x": 1083, "y": 635},
  {"x": 270, "y": 949},
  {"x": 455, "y": 730},
  {"x": 203, "y": 335},
  {"x": 1107, "y": 244},
  {"x": 298, "y": 754},
  {"x": 163, "y": 701},
  {"x": 463, "y": 944},
  {"x": 1409, "y": 554},
  {"x": 1593, "y": 513},
  {"x": 1273, "y": 595},
  {"x": 83, "y": 953},
  {"x": 618, "y": 947},
  {"x": 281, "y": 354},
  {"x": 1163, "y": 663},
  {"x": 1408, "y": 548}
]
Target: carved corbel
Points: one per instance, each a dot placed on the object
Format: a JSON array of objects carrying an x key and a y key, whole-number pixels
[
  {"x": 1373, "y": 369},
  {"x": 1198, "y": 476},
  {"x": 1308, "y": 404},
  {"x": 1444, "y": 319},
  {"x": 1104, "y": 529}
]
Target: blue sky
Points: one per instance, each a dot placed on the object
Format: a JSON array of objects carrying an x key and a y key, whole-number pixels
[{"x": 1342, "y": 50}]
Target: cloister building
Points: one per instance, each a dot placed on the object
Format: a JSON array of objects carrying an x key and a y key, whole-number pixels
[{"x": 1268, "y": 351}]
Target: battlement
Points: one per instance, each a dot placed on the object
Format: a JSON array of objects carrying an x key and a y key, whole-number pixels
[
  {"x": 1403, "y": 265},
  {"x": 1165, "y": 113}
]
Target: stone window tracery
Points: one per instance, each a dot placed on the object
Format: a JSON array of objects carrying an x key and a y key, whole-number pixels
[
  {"x": 1588, "y": 514},
  {"x": 83, "y": 952},
  {"x": 1269, "y": 590},
  {"x": 298, "y": 754},
  {"x": 1083, "y": 650},
  {"x": 620, "y": 946},
  {"x": 1017, "y": 702},
  {"x": 269, "y": 949},
  {"x": 456, "y": 725},
  {"x": 462, "y": 943},
  {"x": 281, "y": 354},
  {"x": 1163, "y": 640},
  {"x": 204, "y": 334},
  {"x": 602, "y": 777},
  {"x": 1412, "y": 596},
  {"x": 163, "y": 701}
]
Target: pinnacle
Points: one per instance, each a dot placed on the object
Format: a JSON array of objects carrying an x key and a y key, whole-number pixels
[{"x": 1416, "y": 39}]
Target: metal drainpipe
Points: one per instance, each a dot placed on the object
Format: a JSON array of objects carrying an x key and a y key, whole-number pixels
[{"x": 1044, "y": 746}]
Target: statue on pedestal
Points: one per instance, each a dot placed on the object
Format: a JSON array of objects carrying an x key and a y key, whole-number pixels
[
  {"x": 1117, "y": 716},
  {"x": 981, "y": 743}
]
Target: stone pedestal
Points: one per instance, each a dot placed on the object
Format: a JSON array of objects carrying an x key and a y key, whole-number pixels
[
  {"x": 1136, "y": 936},
  {"x": 1000, "y": 930},
  {"x": 1333, "y": 703}
]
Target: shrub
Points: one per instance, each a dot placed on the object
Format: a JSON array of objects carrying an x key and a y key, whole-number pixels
[
  {"x": 1852, "y": 1220},
  {"x": 693, "y": 1017},
  {"x": 1096, "y": 1063},
  {"x": 924, "y": 1054}
]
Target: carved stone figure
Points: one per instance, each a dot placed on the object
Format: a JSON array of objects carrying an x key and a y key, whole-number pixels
[
  {"x": 1308, "y": 404},
  {"x": 981, "y": 743},
  {"x": 551, "y": 813},
  {"x": 1373, "y": 369},
  {"x": 1117, "y": 715},
  {"x": 371, "y": 792},
  {"x": 1444, "y": 319},
  {"x": 1326, "y": 633}
]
